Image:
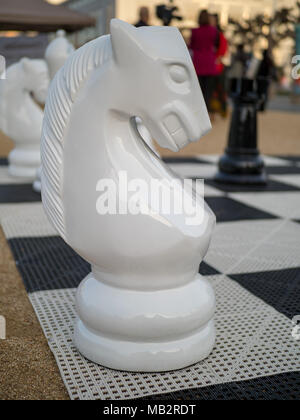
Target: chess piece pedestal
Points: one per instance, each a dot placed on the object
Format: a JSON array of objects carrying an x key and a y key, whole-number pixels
[
  {"x": 150, "y": 331},
  {"x": 23, "y": 162}
]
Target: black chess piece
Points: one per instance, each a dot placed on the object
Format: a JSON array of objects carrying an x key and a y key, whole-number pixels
[{"x": 242, "y": 162}]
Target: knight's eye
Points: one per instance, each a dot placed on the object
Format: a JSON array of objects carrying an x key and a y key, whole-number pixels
[{"x": 178, "y": 73}]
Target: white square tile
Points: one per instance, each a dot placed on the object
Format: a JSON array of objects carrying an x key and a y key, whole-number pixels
[
  {"x": 209, "y": 158},
  {"x": 5, "y": 178},
  {"x": 281, "y": 204},
  {"x": 289, "y": 179},
  {"x": 275, "y": 161},
  {"x": 210, "y": 191},
  {"x": 26, "y": 220},
  {"x": 11, "y": 209},
  {"x": 251, "y": 246},
  {"x": 193, "y": 170}
]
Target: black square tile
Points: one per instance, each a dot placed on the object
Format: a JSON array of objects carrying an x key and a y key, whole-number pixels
[
  {"x": 47, "y": 263},
  {"x": 3, "y": 161},
  {"x": 291, "y": 158},
  {"x": 271, "y": 186},
  {"x": 278, "y": 288},
  {"x": 207, "y": 270},
  {"x": 18, "y": 193},
  {"x": 283, "y": 386},
  {"x": 283, "y": 170},
  {"x": 178, "y": 160},
  {"x": 229, "y": 210}
]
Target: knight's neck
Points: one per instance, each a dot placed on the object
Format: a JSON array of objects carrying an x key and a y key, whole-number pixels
[{"x": 123, "y": 139}]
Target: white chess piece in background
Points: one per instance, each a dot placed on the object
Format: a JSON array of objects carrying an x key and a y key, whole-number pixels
[
  {"x": 144, "y": 306},
  {"x": 56, "y": 54},
  {"x": 21, "y": 117}
]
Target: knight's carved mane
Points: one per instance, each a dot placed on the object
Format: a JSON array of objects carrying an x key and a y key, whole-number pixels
[{"x": 62, "y": 95}]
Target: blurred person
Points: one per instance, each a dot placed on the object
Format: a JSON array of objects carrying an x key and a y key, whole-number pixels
[
  {"x": 165, "y": 12},
  {"x": 219, "y": 101},
  {"x": 222, "y": 43},
  {"x": 144, "y": 16},
  {"x": 266, "y": 71},
  {"x": 203, "y": 46},
  {"x": 266, "y": 67}
]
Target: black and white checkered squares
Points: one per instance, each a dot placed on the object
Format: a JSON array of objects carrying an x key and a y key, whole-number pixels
[{"x": 253, "y": 264}]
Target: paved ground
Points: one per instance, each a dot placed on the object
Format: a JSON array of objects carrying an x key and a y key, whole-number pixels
[
  {"x": 27, "y": 367},
  {"x": 285, "y": 104}
]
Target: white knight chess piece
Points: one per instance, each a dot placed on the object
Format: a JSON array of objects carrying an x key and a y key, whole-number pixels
[
  {"x": 143, "y": 307},
  {"x": 21, "y": 117}
]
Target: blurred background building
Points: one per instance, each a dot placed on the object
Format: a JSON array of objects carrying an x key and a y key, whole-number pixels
[
  {"x": 101, "y": 10},
  {"x": 239, "y": 11},
  {"x": 26, "y": 26},
  {"x": 257, "y": 24},
  {"x": 127, "y": 9},
  {"x": 228, "y": 10}
]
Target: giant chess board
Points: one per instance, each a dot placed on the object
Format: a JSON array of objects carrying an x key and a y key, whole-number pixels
[{"x": 253, "y": 264}]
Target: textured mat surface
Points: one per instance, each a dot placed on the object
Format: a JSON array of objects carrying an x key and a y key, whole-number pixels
[
  {"x": 245, "y": 348},
  {"x": 253, "y": 264}
]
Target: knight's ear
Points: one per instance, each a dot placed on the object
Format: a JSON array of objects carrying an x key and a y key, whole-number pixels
[
  {"x": 124, "y": 40},
  {"x": 26, "y": 64}
]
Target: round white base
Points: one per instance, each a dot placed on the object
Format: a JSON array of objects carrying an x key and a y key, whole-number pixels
[
  {"x": 23, "y": 172},
  {"x": 24, "y": 163},
  {"x": 145, "y": 356},
  {"x": 145, "y": 331}
]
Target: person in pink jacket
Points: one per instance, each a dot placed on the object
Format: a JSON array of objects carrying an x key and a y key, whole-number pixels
[{"x": 204, "y": 44}]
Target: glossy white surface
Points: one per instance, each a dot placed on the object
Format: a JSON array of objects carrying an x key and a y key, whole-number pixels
[
  {"x": 56, "y": 54},
  {"x": 144, "y": 307},
  {"x": 21, "y": 117}
]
